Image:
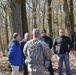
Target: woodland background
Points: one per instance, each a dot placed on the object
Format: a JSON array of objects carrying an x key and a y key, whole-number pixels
[{"x": 23, "y": 15}]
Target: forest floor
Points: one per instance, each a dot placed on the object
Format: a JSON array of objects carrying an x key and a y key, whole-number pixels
[{"x": 3, "y": 62}]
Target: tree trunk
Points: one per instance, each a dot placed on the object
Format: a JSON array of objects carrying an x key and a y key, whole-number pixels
[
  {"x": 34, "y": 3},
  {"x": 1, "y": 46},
  {"x": 71, "y": 15},
  {"x": 24, "y": 17},
  {"x": 49, "y": 18},
  {"x": 6, "y": 26},
  {"x": 15, "y": 17},
  {"x": 44, "y": 14},
  {"x": 67, "y": 19}
]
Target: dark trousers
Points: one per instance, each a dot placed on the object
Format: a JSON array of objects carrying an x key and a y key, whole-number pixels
[
  {"x": 50, "y": 69},
  {"x": 25, "y": 69}
]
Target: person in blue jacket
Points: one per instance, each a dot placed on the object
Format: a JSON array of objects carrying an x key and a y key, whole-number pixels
[{"x": 15, "y": 54}]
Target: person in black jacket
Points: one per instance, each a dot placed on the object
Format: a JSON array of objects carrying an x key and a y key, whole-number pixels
[
  {"x": 48, "y": 40},
  {"x": 22, "y": 43},
  {"x": 62, "y": 46},
  {"x": 74, "y": 40}
]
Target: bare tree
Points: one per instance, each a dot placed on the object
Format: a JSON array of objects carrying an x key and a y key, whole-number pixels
[
  {"x": 49, "y": 18},
  {"x": 4, "y": 15},
  {"x": 67, "y": 18},
  {"x": 71, "y": 15},
  {"x": 24, "y": 17},
  {"x": 34, "y": 4},
  {"x": 15, "y": 17}
]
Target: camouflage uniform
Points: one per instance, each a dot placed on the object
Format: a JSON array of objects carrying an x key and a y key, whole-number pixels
[{"x": 35, "y": 50}]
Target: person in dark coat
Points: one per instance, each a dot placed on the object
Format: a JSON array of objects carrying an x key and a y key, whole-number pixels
[
  {"x": 62, "y": 45},
  {"x": 48, "y": 40},
  {"x": 74, "y": 40},
  {"x": 22, "y": 43}
]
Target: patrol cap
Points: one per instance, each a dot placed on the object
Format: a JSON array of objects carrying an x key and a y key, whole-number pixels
[{"x": 36, "y": 31}]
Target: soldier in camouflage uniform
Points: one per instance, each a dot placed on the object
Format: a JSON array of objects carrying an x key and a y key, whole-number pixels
[{"x": 35, "y": 52}]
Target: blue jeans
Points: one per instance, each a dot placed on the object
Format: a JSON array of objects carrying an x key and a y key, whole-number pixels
[{"x": 65, "y": 58}]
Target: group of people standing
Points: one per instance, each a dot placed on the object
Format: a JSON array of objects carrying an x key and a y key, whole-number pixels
[{"x": 35, "y": 54}]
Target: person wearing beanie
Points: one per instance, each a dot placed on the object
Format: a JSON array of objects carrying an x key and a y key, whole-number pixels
[{"x": 49, "y": 42}]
